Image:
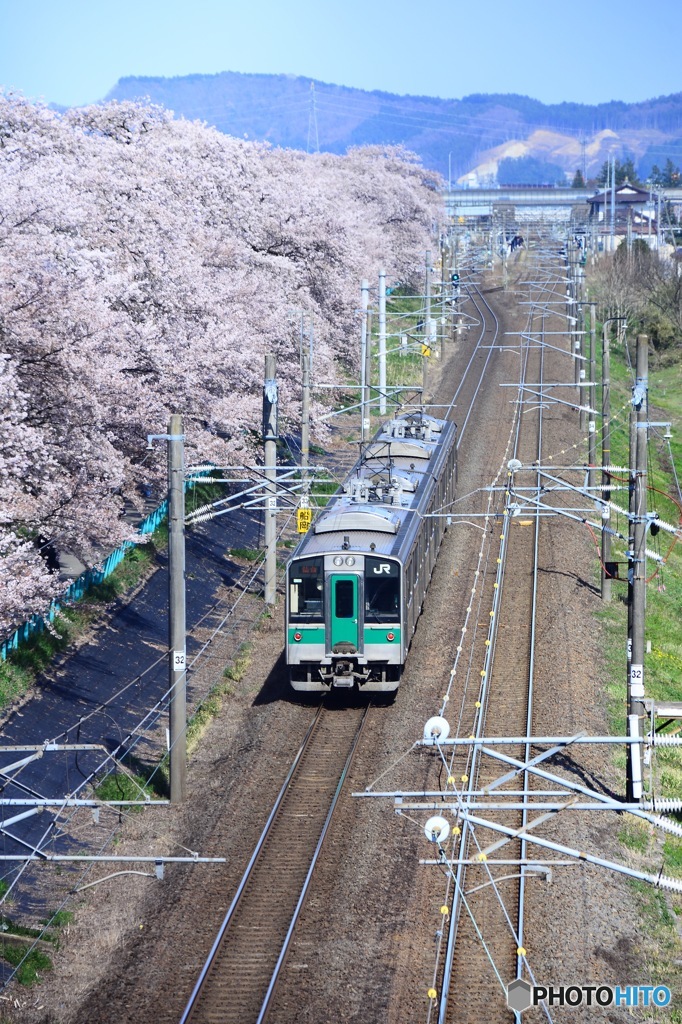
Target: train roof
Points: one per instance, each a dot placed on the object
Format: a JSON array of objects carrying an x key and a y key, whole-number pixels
[{"x": 381, "y": 498}]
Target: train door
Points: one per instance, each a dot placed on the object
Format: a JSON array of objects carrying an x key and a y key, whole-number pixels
[{"x": 344, "y": 618}]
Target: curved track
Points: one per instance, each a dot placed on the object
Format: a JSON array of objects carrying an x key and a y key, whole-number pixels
[
  {"x": 239, "y": 978},
  {"x": 486, "y": 938}
]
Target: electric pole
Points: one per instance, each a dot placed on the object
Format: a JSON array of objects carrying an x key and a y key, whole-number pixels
[
  {"x": 305, "y": 417},
  {"x": 176, "y": 608},
  {"x": 427, "y": 323},
  {"x": 591, "y": 423},
  {"x": 443, "y": 278},
  {"x": 365, "y": 362},
  {"x": 637, "y": 567},
  {"x": 605, "y": 455},
  {"x": 382, "y": 342},
  {"x": 270, "y": 444}
]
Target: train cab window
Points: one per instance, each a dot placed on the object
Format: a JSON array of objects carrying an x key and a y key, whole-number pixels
[
  {"x": 345, "y": 599},
  {"x": 306, "y": 591},
  {"x": 382, "y": 591}
]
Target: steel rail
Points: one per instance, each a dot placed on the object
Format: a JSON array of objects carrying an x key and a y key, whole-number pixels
[
  {"x": 531, "y": 679},
  {"x": 249, "y": 867},
  {"x": 287, "y": 941},
  {"x": 473, "y": 772},
  {"x": 254, "y": 859},
  {"x": 478, "y": 348}
]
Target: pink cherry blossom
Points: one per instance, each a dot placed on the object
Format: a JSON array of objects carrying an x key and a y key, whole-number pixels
[{"x": 147, "y": 265}]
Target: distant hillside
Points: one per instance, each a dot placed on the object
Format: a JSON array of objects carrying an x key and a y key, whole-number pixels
[{"x": 470, "y": 135}]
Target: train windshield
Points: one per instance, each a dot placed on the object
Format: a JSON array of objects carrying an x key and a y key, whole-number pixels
[
  {"x": 306, "y": 591},
  {"x": 382, "y": 590}
]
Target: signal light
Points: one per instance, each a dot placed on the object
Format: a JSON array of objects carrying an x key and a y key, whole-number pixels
[
  {"x": 298, "y": 636},
  {"x": 390, "y": 636}
]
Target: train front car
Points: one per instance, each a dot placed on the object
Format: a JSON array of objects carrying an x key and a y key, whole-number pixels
[{"x": 356, "y": 582}]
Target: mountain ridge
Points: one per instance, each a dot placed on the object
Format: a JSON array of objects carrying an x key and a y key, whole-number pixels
[{"x": 463, "y": 137}]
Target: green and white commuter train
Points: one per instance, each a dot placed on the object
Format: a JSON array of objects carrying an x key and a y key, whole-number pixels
[{"x": 356, "y": 583}]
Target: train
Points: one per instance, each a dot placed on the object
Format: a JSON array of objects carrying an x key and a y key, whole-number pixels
[{"x": 356, "y": 582}]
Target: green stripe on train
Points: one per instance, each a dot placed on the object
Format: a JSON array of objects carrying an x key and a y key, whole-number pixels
[
  {"x": 380, "y": 636},
  {"x": 308, "y": 635}
]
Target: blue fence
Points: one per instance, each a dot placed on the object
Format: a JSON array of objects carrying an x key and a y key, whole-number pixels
[{"x": 87, "y": 579}]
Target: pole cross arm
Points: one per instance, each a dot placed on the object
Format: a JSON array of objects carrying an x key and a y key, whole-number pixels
[
  {"x": 38, "y": 752},
  {"x": 163, "y": 437},
  {"x": 520, "y": 833},
  {"x": 660, "y": 881}
]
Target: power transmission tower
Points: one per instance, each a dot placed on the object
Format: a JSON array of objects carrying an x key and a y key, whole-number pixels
[{"x": 312, "y": 121}]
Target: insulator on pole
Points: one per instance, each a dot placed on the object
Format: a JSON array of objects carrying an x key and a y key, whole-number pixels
[
  {"x": 436, "y": 730},
  {"x": 437, "y": 829}
]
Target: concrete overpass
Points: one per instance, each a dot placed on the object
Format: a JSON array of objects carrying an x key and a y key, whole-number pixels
[
  {"x": 530, "y": 203},
  {"x": 540, "y": 202}
]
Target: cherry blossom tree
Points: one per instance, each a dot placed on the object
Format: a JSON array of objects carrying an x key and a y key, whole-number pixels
[{"x": 147, "y": 264}]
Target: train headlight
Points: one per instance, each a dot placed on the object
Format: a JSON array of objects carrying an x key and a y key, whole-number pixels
[
  {"x": 338, "y": 560},
  {"x": 298, "y": 636},
  {"x": 390, "y": 636},
  {"x": 350, "y": 560}
]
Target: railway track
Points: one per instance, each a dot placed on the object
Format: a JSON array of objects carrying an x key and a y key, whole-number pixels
[
  {"x": 354, "y": 936},
  {"x": 238, "y": 980},
  {"x": 487, "y": 924}
]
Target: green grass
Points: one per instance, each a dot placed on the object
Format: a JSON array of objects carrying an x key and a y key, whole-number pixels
[
  {"x": 211, "y": 706},
  {"x": 663, "y": 663},
  {"x": 635, "y": 834},
  {"x": 121, "y": 786},
  {"x": 322, "y": 489},
  {"x": 34, "y": 963},
  {"x": 209, "y": 709},
  {"x": 204, "y": 493},
  {"x": 236, "y": 670},
  {"x": 672, "y": 849},
  {"x": 59, "y": 919},
  {"x": 247, "y": 554},
  {"x": 21, "y": 669}
]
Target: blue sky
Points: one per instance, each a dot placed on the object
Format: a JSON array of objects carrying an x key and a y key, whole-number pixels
[{"x": 73, "y": 51}]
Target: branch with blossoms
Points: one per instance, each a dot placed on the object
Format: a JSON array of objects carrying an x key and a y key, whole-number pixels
[{"x": 147, "y": 264}]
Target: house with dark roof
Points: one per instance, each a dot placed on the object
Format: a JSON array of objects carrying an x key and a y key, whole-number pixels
[{"x": 635, "y": 210}]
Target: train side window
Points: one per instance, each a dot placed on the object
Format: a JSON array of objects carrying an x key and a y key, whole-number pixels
[{"x": 306, "y": 591}]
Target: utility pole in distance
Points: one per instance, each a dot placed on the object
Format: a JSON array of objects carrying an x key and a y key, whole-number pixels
[
  {"x": 305, "y": 416},
  {"x": 605, "y": 455},
  {"x": 591, "y": 423},
  {"x": 606, "y": 449},
  {"x": 270, "y": 444},
  {"x": 176, "y": 604},
  {"x": 382, "y": 342},
  {"x": 443, "y": 278},
  {"x": 637, "y": 568},
  {"x": 428, "y": 330},
  {"x": 365, "y": 362}
]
